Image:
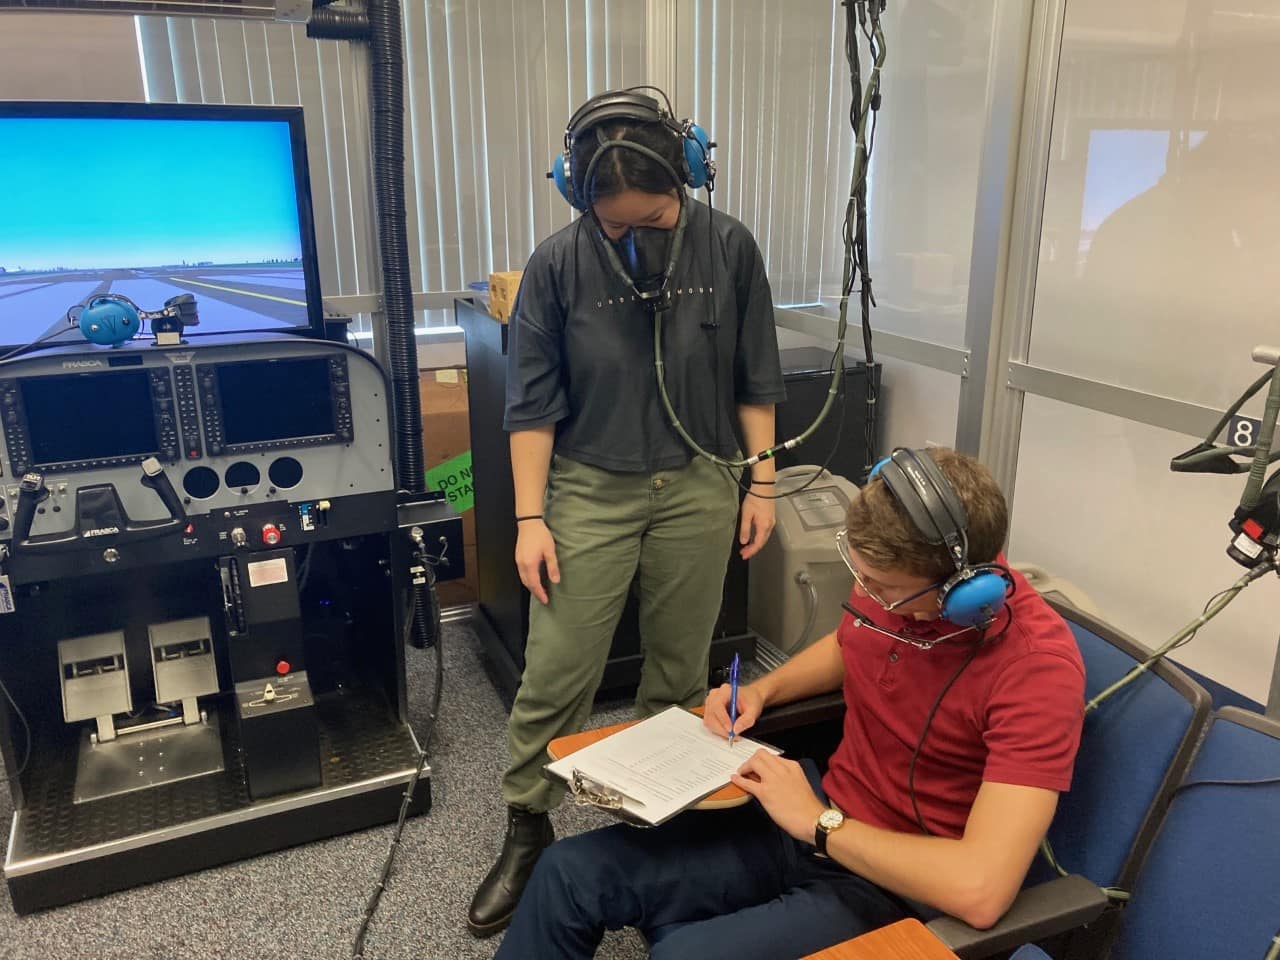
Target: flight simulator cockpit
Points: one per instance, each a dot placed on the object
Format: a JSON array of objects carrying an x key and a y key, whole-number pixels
[{"x": 205, "y": 566}]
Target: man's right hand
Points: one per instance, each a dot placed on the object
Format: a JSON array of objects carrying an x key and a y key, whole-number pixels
[
  {"x": 715, "y": 713},
  {"x": 535, "y": 547}
]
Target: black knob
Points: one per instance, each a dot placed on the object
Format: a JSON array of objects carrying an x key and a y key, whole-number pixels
[
  {"x": 153, "y": 476},
  {"x": 31, "y": 492}
]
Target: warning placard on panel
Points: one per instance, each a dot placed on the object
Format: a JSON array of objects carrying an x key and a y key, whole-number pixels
[{"x": 264, "y": 573}]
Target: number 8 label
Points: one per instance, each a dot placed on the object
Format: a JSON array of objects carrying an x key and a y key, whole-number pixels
[{"x": 1244, "y": 431}]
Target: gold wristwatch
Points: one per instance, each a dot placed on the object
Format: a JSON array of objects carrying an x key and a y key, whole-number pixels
[{"x": 829, "y": 821}]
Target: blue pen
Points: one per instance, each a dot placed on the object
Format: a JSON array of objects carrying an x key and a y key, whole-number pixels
[{"x": 733, "y": 696}]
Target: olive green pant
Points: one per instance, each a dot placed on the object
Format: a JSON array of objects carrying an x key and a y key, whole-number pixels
[{"x": 674, "y": 528}]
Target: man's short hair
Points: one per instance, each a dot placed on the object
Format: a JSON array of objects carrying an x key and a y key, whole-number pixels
[{"x": 883, "y": 534}]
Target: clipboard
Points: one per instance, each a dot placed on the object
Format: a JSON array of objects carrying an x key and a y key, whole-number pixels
[{"x": 588, "y": 790}]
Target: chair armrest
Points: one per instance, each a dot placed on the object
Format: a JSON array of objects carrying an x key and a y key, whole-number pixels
[
  {"x": 1041, "y": 911},
  {"x": 823, "y": 708}
]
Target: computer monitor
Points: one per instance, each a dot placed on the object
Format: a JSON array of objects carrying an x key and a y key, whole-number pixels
[{"x": 150, "y": 201}]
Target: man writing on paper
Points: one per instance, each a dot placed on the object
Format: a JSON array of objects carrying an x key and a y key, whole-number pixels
[{"x": 965, "y": 700}]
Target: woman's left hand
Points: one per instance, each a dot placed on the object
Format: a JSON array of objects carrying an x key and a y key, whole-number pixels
[
  {"x": 783, "y": 790},
  {"x": 756, "y": 523}
]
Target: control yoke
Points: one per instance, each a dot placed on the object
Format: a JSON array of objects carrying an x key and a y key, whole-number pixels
[{"x": 99, "y": 513}]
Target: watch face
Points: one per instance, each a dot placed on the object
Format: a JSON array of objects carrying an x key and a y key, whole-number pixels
[{"x": 830, "y": 819}]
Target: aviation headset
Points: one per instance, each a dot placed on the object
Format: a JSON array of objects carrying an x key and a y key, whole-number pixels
[
  {"x": 975, "y": 593},
  {"x": 107, "y": 319},
  {"x": 697, "y": 170},
  {"x": 110, "y": 319}
]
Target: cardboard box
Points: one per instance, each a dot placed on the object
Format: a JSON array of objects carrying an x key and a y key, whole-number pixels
[
  {"x": 503, "y": 288},
  {"x": 446, "y": 449}
]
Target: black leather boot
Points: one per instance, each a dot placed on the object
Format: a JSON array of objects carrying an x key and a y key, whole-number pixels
[{"x": 528, "y": 834}]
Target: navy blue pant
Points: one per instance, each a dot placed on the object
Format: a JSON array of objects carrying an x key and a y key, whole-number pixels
[{"x": 717, "y": 884}]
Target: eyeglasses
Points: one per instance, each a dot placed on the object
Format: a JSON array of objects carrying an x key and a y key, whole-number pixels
[
  {"x": 918, "y": 642},
  {"x": 846, "y": 554}
]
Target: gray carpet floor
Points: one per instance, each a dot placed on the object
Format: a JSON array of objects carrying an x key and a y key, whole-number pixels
[{"x": 307, "y": 901}]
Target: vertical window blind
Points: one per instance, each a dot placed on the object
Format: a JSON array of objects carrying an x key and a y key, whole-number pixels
[
  {"x": 489, "y": 84},
  {"x": 769, "y": 82}
]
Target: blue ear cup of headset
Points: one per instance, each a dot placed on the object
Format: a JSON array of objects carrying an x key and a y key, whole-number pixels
[
  {"x": 697, "y": 169},
  {"x": 560, "y": 175},
  {"x": 697, "y": 153},
  {"x": 108, "y": 319},
  {"x": 975, "y": 593},
  {"x": 974, "y": 597}
]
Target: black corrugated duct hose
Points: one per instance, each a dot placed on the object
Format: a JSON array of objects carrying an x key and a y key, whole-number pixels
[
  {"x": 329, "y": 24},
  {"x": 386, "y": 64},
  {"x": 386, "y": 58},
  {"x": 380, "y": 25}
]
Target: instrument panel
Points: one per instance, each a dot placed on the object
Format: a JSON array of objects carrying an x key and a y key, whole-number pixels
[{"x": 219, "y": 445}]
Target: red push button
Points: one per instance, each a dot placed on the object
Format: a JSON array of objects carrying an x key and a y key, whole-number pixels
[
  {"x": 283, "y": 667},
  {"x": 270, "y": 534}
]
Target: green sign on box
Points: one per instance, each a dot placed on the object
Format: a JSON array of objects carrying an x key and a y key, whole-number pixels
[{"x": 453, "y": 479}]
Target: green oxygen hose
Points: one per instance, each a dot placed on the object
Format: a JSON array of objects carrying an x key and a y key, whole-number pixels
[
  {"x": 1184, "y": 634},
  {"x": 837, "y": 373},
  {"x": 1258, "y": 472}
]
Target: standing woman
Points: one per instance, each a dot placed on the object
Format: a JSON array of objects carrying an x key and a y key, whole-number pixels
[{"x": 606, "y": 489}]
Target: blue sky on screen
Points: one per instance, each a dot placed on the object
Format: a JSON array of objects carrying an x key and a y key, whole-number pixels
[{"x": 94, "y": 193}]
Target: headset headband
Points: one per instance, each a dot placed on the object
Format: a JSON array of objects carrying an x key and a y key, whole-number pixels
[
  {"x": 973, "y": 595},
  {"x": 930, "y": 500},
  {"x": 696, "y": 169},
  {"x": 616, "y": 105}
]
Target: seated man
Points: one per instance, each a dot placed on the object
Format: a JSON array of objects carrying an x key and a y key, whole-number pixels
[{"x": 964, "y": 695}]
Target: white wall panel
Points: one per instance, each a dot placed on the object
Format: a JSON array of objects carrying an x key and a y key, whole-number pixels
[{"x": 51, "y": 56}]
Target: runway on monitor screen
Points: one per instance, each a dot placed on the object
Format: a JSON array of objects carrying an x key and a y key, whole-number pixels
[{"x": 229, "y": 298}]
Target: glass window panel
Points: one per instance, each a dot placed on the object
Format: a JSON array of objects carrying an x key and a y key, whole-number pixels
[{"x": 1157, "y": 260}]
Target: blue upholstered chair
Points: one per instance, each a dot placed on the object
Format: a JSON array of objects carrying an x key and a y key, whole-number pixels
[
  {"x": 1211, "y": 886},
  {"x": 1208, "y": 888},
  {"x": 1135, "y": 749}
]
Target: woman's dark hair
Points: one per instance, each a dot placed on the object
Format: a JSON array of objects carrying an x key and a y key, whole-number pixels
[{"x": 622, "y": 169}]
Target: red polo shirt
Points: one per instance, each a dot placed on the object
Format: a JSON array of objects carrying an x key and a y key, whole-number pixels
[{"x": 1013, "y": 716}]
